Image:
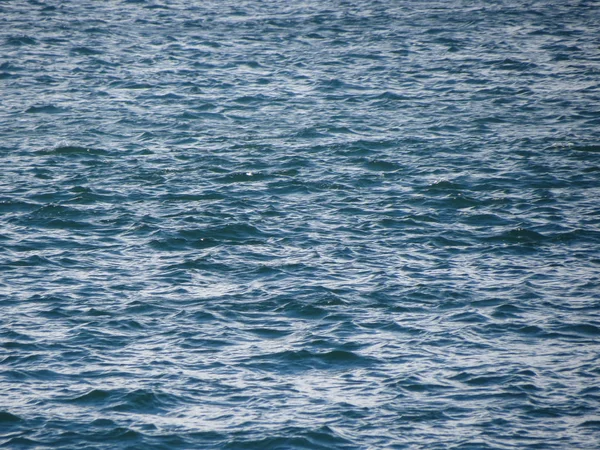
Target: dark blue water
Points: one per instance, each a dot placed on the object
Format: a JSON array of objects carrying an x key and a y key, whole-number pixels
[{"x": 300, "y": 224}]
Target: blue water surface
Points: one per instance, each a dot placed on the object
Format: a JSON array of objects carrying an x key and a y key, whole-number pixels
[{"x": 299, "y": 224}]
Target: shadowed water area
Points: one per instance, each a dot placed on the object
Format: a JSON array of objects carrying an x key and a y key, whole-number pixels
[{"x": 300, "y": 224}]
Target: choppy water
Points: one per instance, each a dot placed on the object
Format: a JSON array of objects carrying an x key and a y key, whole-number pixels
[{"x": 300, "y": 225}]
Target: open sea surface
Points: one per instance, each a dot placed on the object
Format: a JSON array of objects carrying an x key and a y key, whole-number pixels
[{"x": 303, "y": 224}]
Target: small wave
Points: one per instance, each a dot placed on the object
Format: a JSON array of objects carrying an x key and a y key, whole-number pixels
[
  {"x": 7, "y": 418},
  {"x": 176, "y": 244},
  {"x": 468, "y": 317},
  {"x": 524, "y": 330},
  {"x": 518, "y": 236},
  {"x": 415, "y": 385},
  {"x": 7, "y": 75},
  {"x": 209, "y": 116},
  {"x": 56, "y": 211},
  {"x": 132, "y": 85},
  {"x": 391, "y": 96},
  {"x": 506, "y": 311},
  {"x": 85, "y": 51},
  {"x": 75, "y": 150},
  {"x": 305, "y": 311},
  {"x": 323, "y": 438},
  {"x": 234, "y": 234},
  {"x": 243, "y": 177},
  {"x": 594, "y": 423},
  {"x": 251, "y": 99},
  {"x": 16, "y": 206},
  {"x": 20, "y": 40},
  {"x": 93, "y": 396},
  {"x": 21, "y": 442},
  {"x": 139, "y": 400},
  {"x": 30, "y": 261},
  {"x": 269, "y": 333},
  {"x": 485, "y": 220},
  {"x": 379, "y": 165},
  {"x": 144, "y": 400},
  {"x": 583, "y": 329},
  {"x": 512, "y": 64},
  {"x": 118, "y": 435},
  {"x": 444, "y": 185},
  {"x": 240, "y": 232},
  {"x": 45, "y": 109},
  {"x": 311, "y": 133},
  {"x": 576, "y": 236},
  {"x": 306, "y": 360},
  {"x": 65, "y": 224},
  {"x": 586, "y": 148}
]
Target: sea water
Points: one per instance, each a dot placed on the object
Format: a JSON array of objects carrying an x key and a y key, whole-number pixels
[{"x": 300, "y": 224}]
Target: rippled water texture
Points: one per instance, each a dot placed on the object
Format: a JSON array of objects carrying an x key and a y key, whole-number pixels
[{"x": 300, "y": 224}]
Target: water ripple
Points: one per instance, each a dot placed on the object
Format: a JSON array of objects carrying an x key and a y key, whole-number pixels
[{"x": 299, "y": 225}]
